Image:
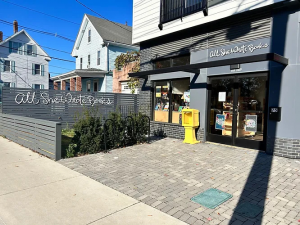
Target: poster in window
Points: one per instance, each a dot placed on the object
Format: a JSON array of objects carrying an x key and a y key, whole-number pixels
[
  {"x": 164, "y": 92},
  {"x": 158, "y": 91},
  {"x": 220, "y": 122},
  {"x": 251, "y": 123},
  {"x": 222, "y": 97},
  {"x": 186, "y": 96}
]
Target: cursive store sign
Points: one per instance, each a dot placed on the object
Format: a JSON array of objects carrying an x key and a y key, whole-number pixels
[
  {"x": 237, "y": 49},
  {"x": 31, "y": 98}
]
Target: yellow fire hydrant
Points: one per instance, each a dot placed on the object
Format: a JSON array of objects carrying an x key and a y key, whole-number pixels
[{"x": 190, "y": 121}]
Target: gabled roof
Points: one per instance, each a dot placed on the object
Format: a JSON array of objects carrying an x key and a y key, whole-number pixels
[
  {"x": 111, "y": 31},
  {"x": 23, "y": 31}
]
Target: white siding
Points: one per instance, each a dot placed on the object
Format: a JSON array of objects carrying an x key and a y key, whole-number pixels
[
  {"x": 146, "y": 15},
  {"x": 23, "y": 65},
  {"x": 90, "y": 48}
]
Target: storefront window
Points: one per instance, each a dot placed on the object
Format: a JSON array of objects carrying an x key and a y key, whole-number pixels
[
  {"x": 165, "y": 63},
  {"x": 181, "y": 61},
  {"x": 170, "y": 97},
  {"x": 174, "y": 61},
  {"x": 162, "y": 101}
]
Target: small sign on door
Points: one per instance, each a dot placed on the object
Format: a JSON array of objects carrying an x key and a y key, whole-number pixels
[
  {"x": 251, "y": 123},
  {"x": 220, "y": 122},
  {"x": 222, "y": 97}
]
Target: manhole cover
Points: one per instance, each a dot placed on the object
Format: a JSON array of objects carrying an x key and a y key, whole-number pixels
[
  {"x": 211, "y": 198},
  {"x": 248, "y": 209}
]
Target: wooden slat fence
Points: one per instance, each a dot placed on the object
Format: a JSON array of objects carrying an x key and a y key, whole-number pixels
[
  {"x": 72, "y": 103},
  {"x": 39, "y": 135}
]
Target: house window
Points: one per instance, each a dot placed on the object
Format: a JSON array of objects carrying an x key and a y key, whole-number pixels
[
  {"x": 170, "y": 97},
  {"x": 38, "y": 69},
  {"x": 7, "y": 66},
  {"x": 89, "y": 61},
  {"x": 81, "y": 63},
  {"x": 88, "y": 86},
  {"x": 170, "y": 62},
  {"x": 15, "y": 47},
  {"x": 38, "y": 86},
  {"x": 89, "y": 36},
  {"x": 98, "y": 58},
  {"x": 6, "y": 84},
  {"x": 29, "y": 49}
]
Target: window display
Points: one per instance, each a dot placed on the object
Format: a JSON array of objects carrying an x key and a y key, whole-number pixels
[{"x": 169, "y": 102}]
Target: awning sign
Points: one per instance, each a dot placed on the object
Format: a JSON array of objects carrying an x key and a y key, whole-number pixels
[
  {"x": 251, "y": 123},
  {"x": 220, "y": 122}
]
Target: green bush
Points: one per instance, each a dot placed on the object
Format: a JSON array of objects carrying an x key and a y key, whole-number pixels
[
  {"x": 71, "y": 151},
  {"x": 90, "y": 133}
]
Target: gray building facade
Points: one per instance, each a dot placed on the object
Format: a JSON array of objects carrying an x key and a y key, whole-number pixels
[{"x": 237, "y": 102}]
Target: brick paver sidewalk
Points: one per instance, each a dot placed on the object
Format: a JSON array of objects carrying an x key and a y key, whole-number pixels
[{"x": 167, "y": 174}]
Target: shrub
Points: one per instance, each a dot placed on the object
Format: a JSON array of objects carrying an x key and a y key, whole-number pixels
[
  {"x": 93, "y": 135},
  {"x": 88, "y": 132},
  {"x": 71, "y": 151}
]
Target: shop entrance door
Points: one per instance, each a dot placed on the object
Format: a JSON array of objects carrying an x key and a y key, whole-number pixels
[{"x": 237, "y": 110}]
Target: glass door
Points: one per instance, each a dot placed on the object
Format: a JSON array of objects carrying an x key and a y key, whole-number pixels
[
  {"x": 236, "y": 110},
  {"x": 221, "y": 110},
  {"x": 252, "y": 92}
]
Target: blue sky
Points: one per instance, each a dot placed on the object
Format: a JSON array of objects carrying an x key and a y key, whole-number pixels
[{"x": 116, "y": 10}]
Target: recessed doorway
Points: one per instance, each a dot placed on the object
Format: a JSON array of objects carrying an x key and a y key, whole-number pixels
[{"x": 237, "y": 110}]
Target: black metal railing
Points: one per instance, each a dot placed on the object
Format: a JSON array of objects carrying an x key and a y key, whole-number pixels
[{"x": 175, "y": 9}]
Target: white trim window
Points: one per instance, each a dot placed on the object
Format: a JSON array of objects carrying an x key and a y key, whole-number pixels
[
  {"x": 15, "y": 47},
  {"x": 89, "y": 35},
  {"x": 9, "y": 84},
  {"x": 89, "y": 61},
  {"x": 88, "y": 86},
  {"x": 81, "y": 63},
  {"x": 30, "y": 50},
  {"x": 98, "y": 57},
  {"x": 8, "y": 66},
  {"x": 38, "y": 86},
  {"x": 38, "y": 69}
]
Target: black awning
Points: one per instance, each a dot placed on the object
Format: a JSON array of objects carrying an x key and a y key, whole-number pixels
[{"x": 194, "y": 68}]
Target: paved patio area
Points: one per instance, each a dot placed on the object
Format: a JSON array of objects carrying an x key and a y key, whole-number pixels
[{"x": 167, "y": 174}]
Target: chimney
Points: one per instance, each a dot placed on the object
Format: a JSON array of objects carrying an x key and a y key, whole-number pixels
[
  {"x": 126, "y": 23},
  {"x": 15, "y": 26},
  {"x": 1, "y": 36}
]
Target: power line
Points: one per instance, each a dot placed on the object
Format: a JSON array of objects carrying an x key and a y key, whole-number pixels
[
  {"x": 31, "y": 69},
  {"x": 41, "y": 12},
  {"x": 28, "y": 60},
  {"x": 40, "y": 45},
  {"x": 101, "y": 15},
  {"x": 23, "y": 79},
  {"x": 38, "y": 31},
  {"x": 41, "y": 55}
]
